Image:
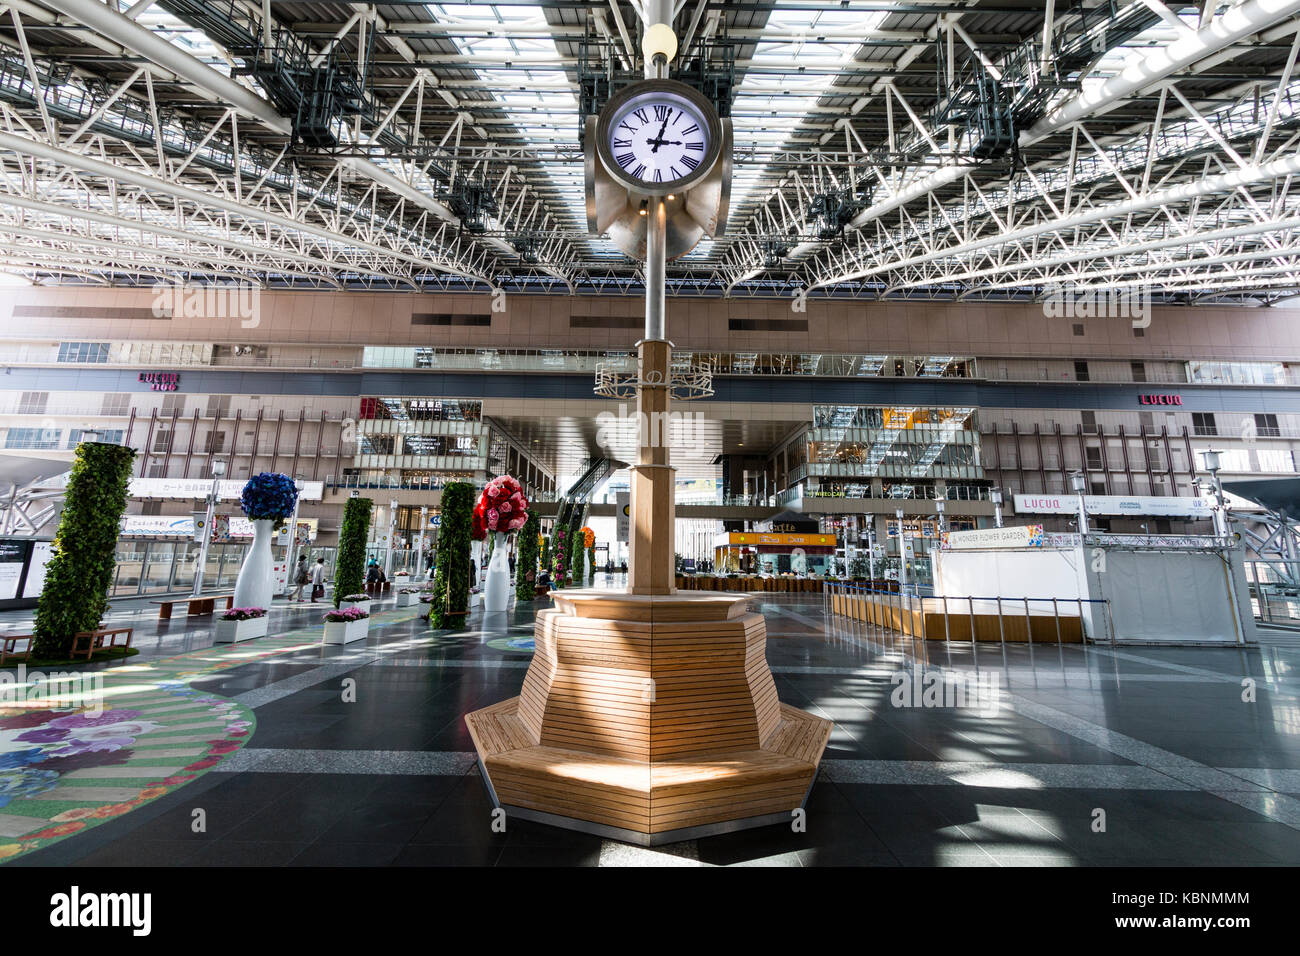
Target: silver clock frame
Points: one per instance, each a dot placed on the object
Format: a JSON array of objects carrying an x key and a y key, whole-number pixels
[{"x": 648, "y": 87}]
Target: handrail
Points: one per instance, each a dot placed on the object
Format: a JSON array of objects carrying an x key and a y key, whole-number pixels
[{"x": 964, "y": 597}]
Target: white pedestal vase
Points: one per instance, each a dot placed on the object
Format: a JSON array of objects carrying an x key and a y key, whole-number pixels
[
  {"x": 364, "y": 605},
  {"x": 496, "y": 592},
  {"x": 407, "y": 600},
  {"x": 345, "y": 632},
  {"x": 254, "y": 586},
  {"x": 232, "y": 632}
]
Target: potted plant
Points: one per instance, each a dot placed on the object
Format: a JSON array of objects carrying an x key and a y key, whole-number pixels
[
  {"x": 526, "y": 559},
  {"x": 360, "y": 599},
  {"x": 350, "y": 565},
  {"x": 345, "y": 625},
  {"x": 559, "y": 565},
  {"x": 409, "y": 596},
  {"x": 241, "y": 624},
  {"x": 589, "y": 546},
  {"x": 501, "y": 509},
  {"x": 450, "y": 598},
  {"x": 268, "y": 499},
  {"x": 80, "y": 572}
]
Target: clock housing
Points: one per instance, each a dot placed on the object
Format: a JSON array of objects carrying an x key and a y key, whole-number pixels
[{"x": 658, "y": 137}]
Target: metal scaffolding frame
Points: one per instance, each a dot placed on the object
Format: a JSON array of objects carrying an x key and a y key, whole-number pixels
[{"x": 936, "y": 150}]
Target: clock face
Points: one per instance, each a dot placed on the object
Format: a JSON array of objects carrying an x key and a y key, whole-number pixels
[{"x": 658, "y": 138}]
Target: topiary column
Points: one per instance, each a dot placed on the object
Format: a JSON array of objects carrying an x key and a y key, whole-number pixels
[
  {"x": 80, "y": 572},
  {"x": 559, "y": 560},
  {"x": 350, "y": 567},
  {"x": 526, "y": 559},
  {"x": 579, "y": 553},
  {"x": 451, "y": 581}
]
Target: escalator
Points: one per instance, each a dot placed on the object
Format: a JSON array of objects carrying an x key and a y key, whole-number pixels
[{"x": 573, "y": 506}]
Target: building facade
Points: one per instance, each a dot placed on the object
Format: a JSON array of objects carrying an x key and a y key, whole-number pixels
[{"x": 848, "y": 410}]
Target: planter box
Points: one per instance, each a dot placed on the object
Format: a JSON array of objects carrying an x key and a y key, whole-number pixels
[
  {"x": 345, "y": 632},
  {"x": 407, "y": 600},
  {"x": 232, "y": 632},
  {"x": 364, "y": 605}
]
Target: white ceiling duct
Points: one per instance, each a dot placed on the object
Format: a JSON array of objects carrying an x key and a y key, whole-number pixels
[
  {"x": 1230, "y": 27},
  {"x": 108, "y": 22}
]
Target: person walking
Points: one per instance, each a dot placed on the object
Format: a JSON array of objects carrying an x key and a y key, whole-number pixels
[
  {"x": 372, "y": 577},
  {"x": 318, "y": 580},
  {"x": 301, "y": 578}
]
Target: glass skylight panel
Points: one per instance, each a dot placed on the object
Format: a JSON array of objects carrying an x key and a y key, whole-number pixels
[
  {"x": 185, "y": 37},
  {"x": 540, "y": 103},
  {"x": 768, "y": 107}
]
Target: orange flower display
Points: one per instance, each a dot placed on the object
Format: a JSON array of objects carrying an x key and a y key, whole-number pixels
[{"x": 588, "y": 537}]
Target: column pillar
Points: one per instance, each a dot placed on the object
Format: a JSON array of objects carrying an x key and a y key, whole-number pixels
[{"x": 652, "y": 531}]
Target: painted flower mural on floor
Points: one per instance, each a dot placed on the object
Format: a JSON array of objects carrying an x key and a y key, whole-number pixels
[
  {"x": 155, "y": 730},
  {"x": 170, "y": 740},
  {"x": 26, "y": 782}
]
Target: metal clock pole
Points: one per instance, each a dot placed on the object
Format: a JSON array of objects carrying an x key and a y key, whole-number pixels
[{"x": 650, "y": 568}]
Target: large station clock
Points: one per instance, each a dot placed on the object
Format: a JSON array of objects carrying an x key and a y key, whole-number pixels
[{"x": 658, "y": 137}]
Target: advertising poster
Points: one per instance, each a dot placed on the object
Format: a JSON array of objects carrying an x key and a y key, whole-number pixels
[
  {"x": 623, "y": 514},
  {"x": 12, "y": 554},
  {"x": 42, "y": 551},
  {"x": 220, "y": 529}
]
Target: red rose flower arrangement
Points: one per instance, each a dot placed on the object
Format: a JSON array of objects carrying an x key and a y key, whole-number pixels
[{"x": 501, "y": 507}]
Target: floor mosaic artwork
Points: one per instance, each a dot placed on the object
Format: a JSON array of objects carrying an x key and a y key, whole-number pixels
[{"x": 77, "y": 752}]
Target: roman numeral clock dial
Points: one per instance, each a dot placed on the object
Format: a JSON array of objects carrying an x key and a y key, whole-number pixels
[{"x": 658, "y": 136}]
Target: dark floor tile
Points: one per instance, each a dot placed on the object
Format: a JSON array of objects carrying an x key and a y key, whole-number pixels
[
  {"x": 143, "y": 853},
  {"x": 329, "y": 853},
  {"x": 260, "y": 852},
  {"x": 548, "y": 856}
]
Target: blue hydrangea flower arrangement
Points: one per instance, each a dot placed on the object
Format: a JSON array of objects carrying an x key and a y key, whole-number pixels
[{"x": 269, "y": 496}]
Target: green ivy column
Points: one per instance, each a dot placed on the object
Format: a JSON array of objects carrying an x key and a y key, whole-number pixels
[
  {"x": 78, "y": 576},
  {"x": 451, "y": 580},
  {"x": 350, "y": 568},
  {"x": 526, "y": 559},
  {"x": 578, "y": 554}
]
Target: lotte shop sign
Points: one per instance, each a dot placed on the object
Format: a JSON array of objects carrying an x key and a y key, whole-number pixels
[{"x": 1160, "y": 399}]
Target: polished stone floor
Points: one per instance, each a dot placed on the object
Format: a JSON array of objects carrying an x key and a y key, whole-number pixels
[{"x": 941, "y": 755}]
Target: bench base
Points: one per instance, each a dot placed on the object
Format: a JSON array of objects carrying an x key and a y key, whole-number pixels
[{"x": 649, "y": 719}]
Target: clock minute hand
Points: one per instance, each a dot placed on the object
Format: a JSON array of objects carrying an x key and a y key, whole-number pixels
[{"x": 659, "y": 137}]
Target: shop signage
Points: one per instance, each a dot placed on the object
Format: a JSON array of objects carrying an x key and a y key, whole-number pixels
[
  {"x": 198, "y": 488},
  {"x": 224, "y": 527},
  {"x": 780, "y": 540},
  {"x": 161, "y": 381},
  {"x": 1115, "y": 505},
  {"x": 1027, "y": 536},
  {"x": 1164, "y": 399}
]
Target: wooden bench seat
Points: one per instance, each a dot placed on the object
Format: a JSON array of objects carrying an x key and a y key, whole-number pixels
[
  {"x": 85, "y": 643},
  {"x": 9, "y": 646},
  {"x": 203, "y": 604},
  {"x": 650, "y": 797}
]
